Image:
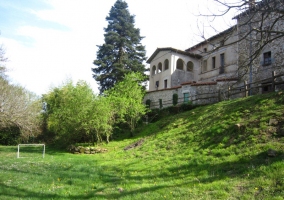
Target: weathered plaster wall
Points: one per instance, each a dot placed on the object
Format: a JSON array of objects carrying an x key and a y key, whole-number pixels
[
  {"x": 208, "y": 71},
  {"x": 164, "y": 75}
]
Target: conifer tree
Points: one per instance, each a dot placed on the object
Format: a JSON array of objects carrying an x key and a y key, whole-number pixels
[{"x": 122, "y": 51}]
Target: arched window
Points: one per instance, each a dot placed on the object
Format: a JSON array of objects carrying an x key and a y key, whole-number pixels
[
  {"x": 154, "y": 70},
  {"x": 159, "y": 67},
  {"x": 180, "y": 64},
  {"x": 166, "y": 64},
  {"x": 189, "y": 66}
]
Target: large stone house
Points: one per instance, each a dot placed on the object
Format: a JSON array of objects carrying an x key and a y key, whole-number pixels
[{"x": 212, "y": 66}]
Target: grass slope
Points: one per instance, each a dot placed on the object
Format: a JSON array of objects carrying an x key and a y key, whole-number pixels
[{"x": 212, "y": 152}]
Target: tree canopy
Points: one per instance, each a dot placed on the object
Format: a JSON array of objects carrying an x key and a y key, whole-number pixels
[{"x": 122, "y": 51}]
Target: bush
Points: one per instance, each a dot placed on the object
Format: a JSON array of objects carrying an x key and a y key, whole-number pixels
[
  {"x": 148, "y": 103},
  {"x": 10, "y": 136},
  {"x": 186, "y": 106},
  {"x": 161, "y": 103},
  {"x": 175, "y": 99}
]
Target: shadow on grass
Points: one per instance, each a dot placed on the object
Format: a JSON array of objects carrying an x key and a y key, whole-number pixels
[{"x": 78, "y": 175}]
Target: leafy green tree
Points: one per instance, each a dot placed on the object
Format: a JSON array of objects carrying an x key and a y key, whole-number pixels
[
  {"x": 68, "y": 111},
  {"x": 75, "y": 114},
  {"x": 126, "y": 97},
  {"x": 102, "y": 118},
  {"x": 122, "y": 51}
]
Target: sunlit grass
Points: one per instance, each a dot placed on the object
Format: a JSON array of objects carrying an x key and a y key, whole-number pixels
[{"x": 199, "y": 154}]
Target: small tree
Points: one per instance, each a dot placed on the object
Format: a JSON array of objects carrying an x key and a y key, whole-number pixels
[
  {"x": 126, "y": 97},
  {"x": 102, "y": 118}
]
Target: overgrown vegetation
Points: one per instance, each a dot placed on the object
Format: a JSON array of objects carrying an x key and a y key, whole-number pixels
[
  {"x": 75, "y": 114},
  {"x": 220, "y": 151}
]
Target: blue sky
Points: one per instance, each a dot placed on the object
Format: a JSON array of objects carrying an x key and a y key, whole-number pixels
[{"x": 49, "y": 41}]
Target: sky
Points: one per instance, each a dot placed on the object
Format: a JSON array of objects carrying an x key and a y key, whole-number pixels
[{"x": 50, "y": 41}]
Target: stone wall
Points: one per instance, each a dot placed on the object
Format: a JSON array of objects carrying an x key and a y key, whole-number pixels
[
  {"x": 199, "y": 93},
  {"x": 166, "y": 96}
]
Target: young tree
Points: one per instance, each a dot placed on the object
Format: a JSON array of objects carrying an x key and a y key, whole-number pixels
[
  {"x": 126, "y": 97},
  {"x": 122, "y": 51},
  {"x": 102, "y": 118}
]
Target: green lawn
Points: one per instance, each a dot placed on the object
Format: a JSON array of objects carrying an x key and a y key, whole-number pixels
[{"x": 211, "y": 152}]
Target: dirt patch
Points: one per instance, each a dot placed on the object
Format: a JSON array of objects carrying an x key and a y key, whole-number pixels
[{"x": 134, "y": 145}]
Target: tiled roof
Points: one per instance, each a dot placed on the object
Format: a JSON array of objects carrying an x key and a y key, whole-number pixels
[
  {"x": 204, "y": 83},
  {"x": 227, "y": 31},
  {"x": 188, "y": 83},
  {"x": 172, "y": 50},
  {"x": 172, "y": 88},
  {"x": 227, "y": 79}
]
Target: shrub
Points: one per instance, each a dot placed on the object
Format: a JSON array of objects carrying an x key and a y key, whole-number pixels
[
  {"x": 10, "y": 136},
  {"x": 175, "y": 99},
  {"x": 186, "y": 106},
  {"x": 160, "y": 103},
  {"x": 148, "y": 103}
]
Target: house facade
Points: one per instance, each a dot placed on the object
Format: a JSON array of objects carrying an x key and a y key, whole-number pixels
[{"x": 216, "y": 64}]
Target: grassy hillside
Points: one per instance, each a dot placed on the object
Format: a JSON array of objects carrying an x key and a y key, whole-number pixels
[{"x": 230, "y": 150}]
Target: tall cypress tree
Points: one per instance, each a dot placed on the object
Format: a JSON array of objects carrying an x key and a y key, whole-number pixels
[{"x": 122, "y": 51}]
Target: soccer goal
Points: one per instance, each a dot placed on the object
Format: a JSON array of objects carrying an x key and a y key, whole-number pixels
[{"x": 31, "y": 150}]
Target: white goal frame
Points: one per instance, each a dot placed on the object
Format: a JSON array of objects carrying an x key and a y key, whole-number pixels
[{"x": 43, "y": 152}]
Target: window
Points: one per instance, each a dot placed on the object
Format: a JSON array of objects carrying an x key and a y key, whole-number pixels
[
  {"x": 189, "y": 66},
  {"x": 180, "y": 64},
  {"x": 157, "y": 84},
  {"x": 185, "y": 97},
  {"x": 166, "y": 64},
  {"x": 204, "y": 66},
  {"x": 159, "y": 67},
  {"x": 222, "y": 63},
  {"x": 213, "y": 62},
  {"x": 267, "y": 58},
  {"x": 154, "y": 70},
  {"x": 166, "y": 83}
]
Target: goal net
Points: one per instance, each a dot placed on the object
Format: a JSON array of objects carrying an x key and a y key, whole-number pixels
[{"x": 31, "y": 150}]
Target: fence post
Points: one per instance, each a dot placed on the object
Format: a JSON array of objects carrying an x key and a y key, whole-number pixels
[
  {"x": 273, "y": 81},
  {"x": 246, "y": 88},
  {"x": 219, "y": 95}
]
